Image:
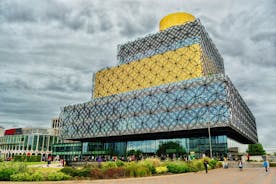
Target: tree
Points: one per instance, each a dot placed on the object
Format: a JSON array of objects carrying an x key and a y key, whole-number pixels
[
  {"x": 256, "y": 149},
  {"x": 136, "y": 153},
  {"x": 170, "y": 148}
]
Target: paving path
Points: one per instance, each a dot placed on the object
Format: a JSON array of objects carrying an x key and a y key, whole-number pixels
[{"x": 218, "y": 176}]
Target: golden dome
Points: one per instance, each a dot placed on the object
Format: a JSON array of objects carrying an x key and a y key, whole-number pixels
[{"x": 175, "y": 19}]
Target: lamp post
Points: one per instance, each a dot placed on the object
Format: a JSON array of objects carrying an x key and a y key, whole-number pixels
[{"x": 210, "y": 143}]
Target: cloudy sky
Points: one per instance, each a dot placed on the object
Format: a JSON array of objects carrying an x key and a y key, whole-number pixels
[{"x": 50, "y": 48}]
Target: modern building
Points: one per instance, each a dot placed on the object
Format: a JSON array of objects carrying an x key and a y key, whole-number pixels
[
  {"x": 28, "y": 141},
  {"x": 167, "y": 86},
  {"x": 1, "y": 131},
  {"x": 56, "y": 125}
]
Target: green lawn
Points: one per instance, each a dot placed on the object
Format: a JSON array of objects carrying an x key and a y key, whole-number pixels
[
  {"x": 45, "y": 169},
  {"x": 34, "y": 163}
]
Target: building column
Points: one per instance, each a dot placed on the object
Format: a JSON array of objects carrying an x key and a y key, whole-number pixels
[
  {"x": 42, "y": 149},
  {"x": 32, "y": 144},
  {"x": 37, "y": 141},
  {"x": 48, "y": 143}
]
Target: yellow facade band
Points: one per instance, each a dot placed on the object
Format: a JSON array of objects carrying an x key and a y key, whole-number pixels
[
  {"x": 175, "y": 19},
  {"x": 180, "y": 64}
]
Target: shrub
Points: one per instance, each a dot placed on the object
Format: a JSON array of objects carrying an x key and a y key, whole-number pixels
[
  {"x": 9, "y": 168},
  {"x": 130, "y": 170},
  {"x": 119, "y": 163},
  {"x": 21, "y": 177},
  {"x": 26, "y": 176},
  {"x": 180, "y": 167},
  {"x": 213, "y": 164},
  {"x": 107, "y": 165},
  {"x": 151, "y": 163},
  {"x": 69, "y": 171},
  {"x": 37, "y": 176},
  {"x": 97, "y": 173},
  {"x": 142, "y": 171},
  {"x": 195, "y": 165},
  {"x": 81, "y": 172},
  {"x": 199, "y": 165},
  {"x": 137, "y": 170},
  {"x": 114, "y": 172},
  {"x": 219, "y": 164},
  {"x": 58, "y": 176},
  {"x": 161, "y": 169},
  {"x": 5, "y": 174}
]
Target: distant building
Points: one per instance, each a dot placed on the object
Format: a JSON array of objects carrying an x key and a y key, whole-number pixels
[
  {"x": 56, "y": 125},
  {"x": 28, "y": 141},
  {"x": 1, "y": 131},
  {"x": 270, "y": 150}
]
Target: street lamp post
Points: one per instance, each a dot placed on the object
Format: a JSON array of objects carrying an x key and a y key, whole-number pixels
[{"x": 210, "y": 143}]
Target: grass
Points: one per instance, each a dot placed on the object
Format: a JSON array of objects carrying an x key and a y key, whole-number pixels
[
  {"x": 45, "y": 169},
  {"x": 35, "y": 163}
]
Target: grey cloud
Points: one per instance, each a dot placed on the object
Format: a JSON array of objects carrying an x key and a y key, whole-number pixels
[
  {"x": 8, "y": 124},
  {"x": 265, "y": 36},
  {"x": 16, "y": 12},
  {"x": 49, "y": 50},
  {"x": 131, "y": 29}
]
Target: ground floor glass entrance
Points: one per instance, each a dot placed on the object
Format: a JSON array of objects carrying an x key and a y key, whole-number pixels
[{"x": 196, "y": 145}]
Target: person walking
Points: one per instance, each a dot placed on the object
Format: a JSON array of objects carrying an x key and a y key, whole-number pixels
[
  {"x": 266, "y": 165},
  {"x": 240, "y": 165},
  {"x": 205, "y": 163},
  {"x": 49, "y": 162},
  {"x": 99, "y": 160}
]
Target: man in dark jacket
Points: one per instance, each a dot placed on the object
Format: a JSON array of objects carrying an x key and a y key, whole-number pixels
[{"x": 206, "y": 165}]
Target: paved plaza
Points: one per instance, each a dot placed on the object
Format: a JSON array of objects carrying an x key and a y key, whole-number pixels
[{"x": 218, "y": 176}]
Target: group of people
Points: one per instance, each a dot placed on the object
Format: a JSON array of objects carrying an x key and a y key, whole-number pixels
[
  {"x": 240, "y": 165},
  {"x": 265, "y": 165}
]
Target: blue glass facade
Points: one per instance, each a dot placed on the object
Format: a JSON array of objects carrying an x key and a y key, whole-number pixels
[
  {"x": 198, "y": 145},
  {"x": 174, "y": 105}
]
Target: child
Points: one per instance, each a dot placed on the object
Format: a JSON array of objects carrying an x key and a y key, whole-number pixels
[
  {"x": 266, "y": 165},
  {"x": 240, "y": 165}
]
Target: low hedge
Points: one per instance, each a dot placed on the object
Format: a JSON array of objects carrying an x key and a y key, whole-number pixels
[
  {"x": 273, "y": 164},
  {"x": 25, "y": 158}
]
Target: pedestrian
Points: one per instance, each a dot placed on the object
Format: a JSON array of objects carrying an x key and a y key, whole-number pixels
[
  {"x": 99, "y": 160},
  {"x": 205, "y": 163},
  {"x": 266, "y": 165},
  {"x": 240, "y": 165},
  {"x": 62, "y": 162},
  {"x": 248, "y": 157},
  {"x": 48, "y": 162},
  {"x": 225, "y": 163}
]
